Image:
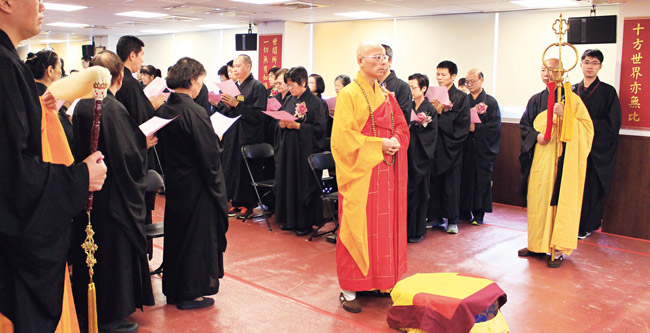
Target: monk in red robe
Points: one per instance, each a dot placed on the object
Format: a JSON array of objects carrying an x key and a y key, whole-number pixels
[{"x": 370, "y": 138}]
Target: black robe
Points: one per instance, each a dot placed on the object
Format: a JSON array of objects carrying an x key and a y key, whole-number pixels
[
  {"x": 480, "y": 149},
  {"x": 203, "y": 99},
  {"x": 140, "y": 108},
  {"x": 121, "y": 277},
  {"x": 604, "y": 108},
  {"x": 298, "y": 203},
  {"x": 453, "y": 127},
  {"x": 37, "y": 204},
  {"x": 402, "y": 91},
  {"x": 196, "y": 217},
  {"x": 247, "y": 130},
  {"x": 536, "y": 104},
  {"x": 421, "y": 153}
]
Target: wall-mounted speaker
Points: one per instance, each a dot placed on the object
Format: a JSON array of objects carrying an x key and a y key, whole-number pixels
[
  {"x": 592, "y": 30},
  {"x": 87, "y": 51},
  {"x": 246, "y": 42}
]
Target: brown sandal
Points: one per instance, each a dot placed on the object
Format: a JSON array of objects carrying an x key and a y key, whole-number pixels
[{"x": 350, "y": 306}]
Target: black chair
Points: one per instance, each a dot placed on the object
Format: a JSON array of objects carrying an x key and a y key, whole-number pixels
[
  {"x": 260, "y": 162},
  {"x": 154, "y": 182},
  {"x": 329, "y": 193}
]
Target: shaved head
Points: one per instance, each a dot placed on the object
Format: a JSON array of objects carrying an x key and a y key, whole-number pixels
[
  {"x": 547, "y": 75},
  {"x": 370, "y": 67}
]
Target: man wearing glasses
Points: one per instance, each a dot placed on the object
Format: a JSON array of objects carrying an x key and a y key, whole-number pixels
[
  {"x": 604, "y": 108},
  {"x": 370, "y": 139},
  {"x": 480, "y": 149},
  {"x": 398, "y": 87}
]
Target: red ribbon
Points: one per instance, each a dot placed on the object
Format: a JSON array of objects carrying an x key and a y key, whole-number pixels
[{"x": 549, "y": 110}]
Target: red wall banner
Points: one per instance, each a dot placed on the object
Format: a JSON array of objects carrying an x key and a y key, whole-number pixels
[
  {"x": 634, "y": 91},
  {"x": 270, "y": 55}
]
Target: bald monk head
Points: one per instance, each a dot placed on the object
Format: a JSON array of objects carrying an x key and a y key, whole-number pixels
[
  {"x": 475, "y": 81},
  {"x": 547, "y": 75},
  {"x": 21, "y": 19},
  {"x": 372, "y": 60}
]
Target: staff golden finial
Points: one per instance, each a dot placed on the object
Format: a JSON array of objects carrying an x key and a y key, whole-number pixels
[{"x": 560, "y": 27}]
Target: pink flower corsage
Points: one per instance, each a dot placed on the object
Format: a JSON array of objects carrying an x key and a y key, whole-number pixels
[
  {"x": 423, "y": 119},
  {"x": 481, "y": 108},
  {"x": 301, "y": 110}
]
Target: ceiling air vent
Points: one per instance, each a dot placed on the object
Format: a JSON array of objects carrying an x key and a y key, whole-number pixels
[{"x": 298, "y": 5}]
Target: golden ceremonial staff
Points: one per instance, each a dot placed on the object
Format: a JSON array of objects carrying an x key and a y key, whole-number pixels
[
  {"x": 89, "y": 246},
  {"x": 560, "y": 27}
]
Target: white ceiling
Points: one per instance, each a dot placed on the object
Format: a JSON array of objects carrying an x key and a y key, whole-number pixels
[{"x": 100, "y": 14}]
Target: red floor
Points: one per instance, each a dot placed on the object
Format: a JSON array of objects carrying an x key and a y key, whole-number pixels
[{"x": 276, "y": 281}]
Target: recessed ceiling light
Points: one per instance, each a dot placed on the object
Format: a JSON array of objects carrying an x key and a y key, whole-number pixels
[
  {"x": 219, "y": 26},
  {"x": 68, "y": 25},
  {"x": 62, "y": 7},
  {"x": 156, "y": 31},
  {"x": 52, "y": 41},
  {"x": 142, "y": 14},
  {"x": 545, "y": 3},
  {"x": 363, "y": 15},
  {"x": 260, "y": 2}
]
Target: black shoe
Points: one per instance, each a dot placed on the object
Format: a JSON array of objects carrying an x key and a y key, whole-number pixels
[
  {"x": 302, "y": 232},
  {"x": 193, "y": 304},
  {"x": 285, "y": 227},
  {"x": 554, "y": 263},
  {"x": 415, "y": 239},
  {"x": 331, "y": 238},
  {"x": 119, "y": 326},
  {"x": 527, "y": 253}
]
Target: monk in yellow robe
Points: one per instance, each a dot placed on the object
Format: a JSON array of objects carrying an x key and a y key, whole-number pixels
[
  {"x": 553, "y": 171},
  {"x": 370, "y": 138}
]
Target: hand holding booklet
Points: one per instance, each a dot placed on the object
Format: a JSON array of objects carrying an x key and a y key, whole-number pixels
[
  {"x": 229, "y": 88},
  {"x": 273, "y": 104},
  {"x": 156, "y": 87},
  {"x": 221, "y": 123},
  {"x": 152, "y": 125},
  {"x": 474, "y": 114},
  {"x": 281, "y": 115},
  {"x": 439, "y": 93}
]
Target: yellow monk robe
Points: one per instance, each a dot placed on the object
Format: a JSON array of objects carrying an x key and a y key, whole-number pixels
[
  {"x": 55, "y": 149},
  {"x": 376, "y": 209},
  {"x": 544, "y": 232}
]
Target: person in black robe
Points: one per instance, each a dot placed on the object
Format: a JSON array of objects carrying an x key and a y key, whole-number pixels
[
  {"x": 316, "y": 85},
  {"x": 453, "y": 127},
  {"x": 424, "y": 133},
  {"x": 272, "y": 75},
  {"x": 38, "y": 199},
  {"x": 283, "y": 91},
  {"x": 203, "y": 100},
  {"x": 400, "y": 88},
  {"x": 47, "y": 67},
  {"x": 298, "y": 203},
  {"x": 604, "y": 108},
  {"x": 196, "y": 218},
  {"x": 130, "y": 49},
  {"x": 121, "y": 276},
  {"x": 339, "y": 83},
  {"x": 247, "y": 130},
  {"x": 480, "y": 149}
]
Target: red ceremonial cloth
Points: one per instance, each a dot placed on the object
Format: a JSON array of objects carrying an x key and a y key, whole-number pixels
[{"x": 386, "y": 212}]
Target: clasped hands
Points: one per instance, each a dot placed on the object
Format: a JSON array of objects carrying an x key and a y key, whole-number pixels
[
  {"x": 558, "y": 109},
  {"x": 390, "y": 146},
  {"x": 289, "y": 124}
]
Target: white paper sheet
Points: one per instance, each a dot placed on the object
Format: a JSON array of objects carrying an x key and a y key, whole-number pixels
[
  {"x": 152, "y": 125},
  {"x": 221, "y": 123}
]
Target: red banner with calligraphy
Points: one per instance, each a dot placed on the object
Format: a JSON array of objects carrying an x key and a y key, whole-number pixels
[
  {"x": 635, "y": 80},
  {"x": 270, "y": 55}
]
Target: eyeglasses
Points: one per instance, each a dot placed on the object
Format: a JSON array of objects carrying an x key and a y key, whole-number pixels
[
  {"x": 586, "y": 62},
  {"x": 471, "y": 81},
  {"x": 378, "y": 57},
  {"x": 279, "y": 83},
  {"x": 292, "y": 85}
]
